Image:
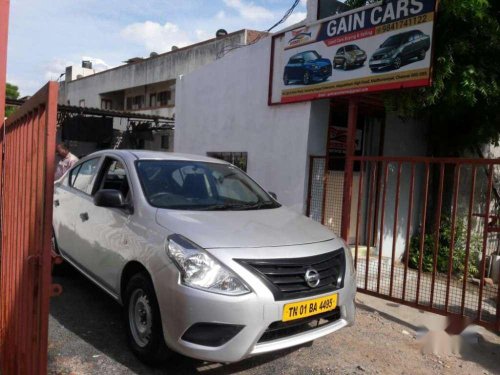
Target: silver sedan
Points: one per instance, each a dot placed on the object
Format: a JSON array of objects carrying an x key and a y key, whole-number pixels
[{"x": 204, "y": 261}]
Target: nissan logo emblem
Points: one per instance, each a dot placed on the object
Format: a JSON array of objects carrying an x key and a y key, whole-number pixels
[{"x": 312, "y": 277}]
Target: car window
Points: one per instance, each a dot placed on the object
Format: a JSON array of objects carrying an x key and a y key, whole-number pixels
[
  {"x": 350, "y": 48},
  {"x": 115, "y": 177},
  {"x": 340, "y": 51},
  {"x": 310, "y": 56},
  {"x": 393, "y": 41},
  {"x": 81, "y": 177},
  {"x": 192, "y": 185}
]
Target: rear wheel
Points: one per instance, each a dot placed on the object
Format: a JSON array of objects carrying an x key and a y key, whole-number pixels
[{"x": 143, "y": 321}]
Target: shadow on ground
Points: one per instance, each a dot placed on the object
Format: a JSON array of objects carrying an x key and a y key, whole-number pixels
[{"x": 93, "y": 316}]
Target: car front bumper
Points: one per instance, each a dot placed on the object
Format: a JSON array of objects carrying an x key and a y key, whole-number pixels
[
  {"x": 182, "y": 307},
  {"x": 381, "y": 64}
]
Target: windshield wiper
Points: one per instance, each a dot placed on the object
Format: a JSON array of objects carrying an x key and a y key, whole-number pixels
[{"x": 259, "y": 205}]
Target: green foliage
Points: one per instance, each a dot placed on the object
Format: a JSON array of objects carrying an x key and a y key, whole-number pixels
[
  {"x": 461, "y": 105},
  {"x": 443, "y": 251},
  {"x": 12, "y": 92}
]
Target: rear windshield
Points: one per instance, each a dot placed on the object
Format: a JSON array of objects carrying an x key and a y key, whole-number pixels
[{"x": 193, "y": 185}]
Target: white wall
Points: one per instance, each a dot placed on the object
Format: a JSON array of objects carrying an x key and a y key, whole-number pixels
[
  {"x": 223, "y": 107},
  {"x": 403, "y": 138}
]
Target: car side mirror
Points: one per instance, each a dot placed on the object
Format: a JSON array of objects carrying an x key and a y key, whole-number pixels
[
  {"x": 275, "y": 197},
  {"x": 109, "y": 198}
]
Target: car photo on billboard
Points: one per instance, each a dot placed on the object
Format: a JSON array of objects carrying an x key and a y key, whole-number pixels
[
  {"x": 349, "y": 56},
  {"x": 307, "y": 67},
  {"x": 400, "y": 49}
]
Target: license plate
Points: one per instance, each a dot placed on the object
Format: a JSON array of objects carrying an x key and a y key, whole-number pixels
[{"x": 303, "y": 309}]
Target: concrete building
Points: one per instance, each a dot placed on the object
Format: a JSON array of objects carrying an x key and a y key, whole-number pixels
[
  {"x": 146, "y": 85},
  {"x": 233, "y": 116}
]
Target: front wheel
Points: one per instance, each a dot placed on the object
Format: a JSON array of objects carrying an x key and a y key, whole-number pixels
[
  {"x": 306, "y": 79},
  {"x": 397, "y": 62},
  {"x": 286, "y": 81},
  {"x": 143, "y": 321}
]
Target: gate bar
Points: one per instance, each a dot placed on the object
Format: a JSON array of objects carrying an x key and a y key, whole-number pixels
[{"x": 352, "y": 121}]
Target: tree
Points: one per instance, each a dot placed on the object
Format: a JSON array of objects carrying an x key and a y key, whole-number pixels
[
  {"x": 462, "y": 103},
  {"x": 11, "y": 92}
]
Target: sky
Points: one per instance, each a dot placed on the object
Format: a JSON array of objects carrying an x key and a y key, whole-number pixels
[{"x": 45, "y": 36}]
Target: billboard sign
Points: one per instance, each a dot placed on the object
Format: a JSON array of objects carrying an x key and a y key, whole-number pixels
[{"x": 375, "y": 48}]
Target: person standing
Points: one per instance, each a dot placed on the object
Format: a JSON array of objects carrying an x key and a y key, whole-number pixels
[{"x": 67, "y": 160}]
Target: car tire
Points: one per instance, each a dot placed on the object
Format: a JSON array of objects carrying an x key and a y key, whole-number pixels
[
  {"x": 397, "y": 63},
  {"x": 306, "y": 79},
  {"x": 286, "y": 81},
  {"x": 143, "y": 321},
  {"x": 421, "y": 54}
]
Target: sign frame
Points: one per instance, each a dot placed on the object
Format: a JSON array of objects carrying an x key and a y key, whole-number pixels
[{"x": 399, "y": 85}]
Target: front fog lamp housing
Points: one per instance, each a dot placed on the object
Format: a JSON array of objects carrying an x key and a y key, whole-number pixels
[{"x": 200, "y": 270}]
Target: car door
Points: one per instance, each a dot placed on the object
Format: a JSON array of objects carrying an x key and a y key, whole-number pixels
[
  {"x": 409, "y": 46},
  {"x": 102, "y": 229},
  {"x": 67, "y": 197}
]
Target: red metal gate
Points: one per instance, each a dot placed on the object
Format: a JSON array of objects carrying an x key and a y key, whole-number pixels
[
  {"x": 424, "y": 231},
  {"x": 27, "y": 172}
]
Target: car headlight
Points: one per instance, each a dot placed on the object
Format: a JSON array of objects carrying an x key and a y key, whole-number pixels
[{"x": 200, "y": 270}]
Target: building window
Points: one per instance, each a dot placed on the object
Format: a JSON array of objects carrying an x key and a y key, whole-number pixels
[
  {"x": 138, "y": 102},
  {"x": 240, "y": 159},
  {"x": 164, "y": 97},
  {"x": 152, "y": 100},
  {"x": 135, "y": 102},
  {"x": 129, "y": 102},
  {"x": 105, "y": 104},
  {"x": 165, "y": 141},
  {"x": 81, "y": 103}
]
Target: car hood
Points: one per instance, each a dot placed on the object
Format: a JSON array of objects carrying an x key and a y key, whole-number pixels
[
  {"x": 381, "y": 51},
  {"x": 235, "y": 229},
  {"x": 320, "y": 62},
  {"x": 356, "y": 53}
]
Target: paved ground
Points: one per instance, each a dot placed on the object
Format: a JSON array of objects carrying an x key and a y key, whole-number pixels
[{"x": 86, "y": 337}]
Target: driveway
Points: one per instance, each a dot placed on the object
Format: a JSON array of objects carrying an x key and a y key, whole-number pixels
[{"x": 86, "y": 337}]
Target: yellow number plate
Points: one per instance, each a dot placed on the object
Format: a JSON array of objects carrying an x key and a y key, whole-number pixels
[{"x": 303, "y": 309}]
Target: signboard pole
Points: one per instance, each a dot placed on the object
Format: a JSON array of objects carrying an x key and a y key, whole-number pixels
[{"x": 352, "y": 121}]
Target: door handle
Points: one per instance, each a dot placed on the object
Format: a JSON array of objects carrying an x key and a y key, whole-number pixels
[
  {"x": 84, "y": 216},
  {"x": 56, "y": 203}
]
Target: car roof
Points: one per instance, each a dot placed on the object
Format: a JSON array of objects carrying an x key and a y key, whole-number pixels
[{"x": 156, "y": 155}]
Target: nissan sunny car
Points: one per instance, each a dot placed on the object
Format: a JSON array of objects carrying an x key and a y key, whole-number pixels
[
  {"x": 399, "y": 49},
  {"x": 205, "y": 262}
]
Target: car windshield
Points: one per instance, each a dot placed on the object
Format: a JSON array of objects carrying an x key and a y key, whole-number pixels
[
  {"x": 194, "y": 185},
  {"x": 311, "y": 56},
  {"x": 393, "y": 41},
  {"x": 351, "y": 48}
]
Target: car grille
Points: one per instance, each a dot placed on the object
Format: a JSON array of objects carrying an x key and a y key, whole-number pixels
[
  {"x": 286, "y": 277},
  {"x": 279, "y": 330}
]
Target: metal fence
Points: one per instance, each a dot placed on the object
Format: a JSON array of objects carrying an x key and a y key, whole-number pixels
[
  {"x": 424, "y": 231},
  {"x": 27, "y": 170}
]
